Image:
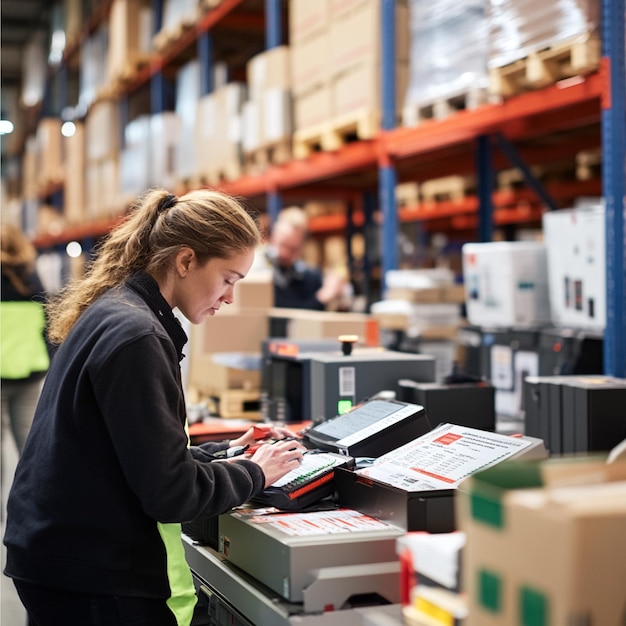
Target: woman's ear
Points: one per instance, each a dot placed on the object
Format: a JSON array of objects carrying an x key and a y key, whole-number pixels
[{"x": 185, "y": 261}]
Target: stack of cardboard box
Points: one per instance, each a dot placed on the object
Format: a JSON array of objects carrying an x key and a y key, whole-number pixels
[
  {"x": 267, "y": 114},
  {"x": 130, "y": 44},
  {"x": 218, "y": 133},
  {"x": 336, "y": 68},
  {"x": 309, "y": 41},
  {"x": 74, "y": 190},
  {"x": 49, "y": 142},
  {"x": 223, "y": 349},
  {"x": 545, "y": 543},
  {"x": 102, "y": 158}
]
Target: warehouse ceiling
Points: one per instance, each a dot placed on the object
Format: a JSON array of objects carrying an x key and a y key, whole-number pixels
[{"x": 19, "y": 20}]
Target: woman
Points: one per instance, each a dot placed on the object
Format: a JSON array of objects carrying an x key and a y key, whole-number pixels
[
  {"x": 24, "y": 357},
  {"x": 107, "y": 476}
]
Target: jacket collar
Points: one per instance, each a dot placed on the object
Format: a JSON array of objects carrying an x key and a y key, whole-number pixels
[{"x": 148, "y": 289}]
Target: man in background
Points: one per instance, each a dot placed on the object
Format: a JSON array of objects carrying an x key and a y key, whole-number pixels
[{"x": 296, "y": 285}]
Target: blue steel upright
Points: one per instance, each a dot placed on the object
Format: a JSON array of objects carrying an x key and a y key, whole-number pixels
[
  {"x": 273, "y": 39},
  {"x": 613, "y": 176},
  {"x": 273, "y": 24},
  {"x": 387, "y": 176},
  {"x": 485, "y": 188},
  {"x": 204, "y": 47},
  {"x": 274, "y": 206}
]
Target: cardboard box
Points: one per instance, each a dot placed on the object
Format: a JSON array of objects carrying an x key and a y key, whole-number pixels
[
  {"x": 305, "y": 324},
  {"x": 358, "y": 88},
  {"x": 255, "y": 291},
  {"x": 211, "y": 374},
  {"x": 230, "y": 331},
  {"x": 101, "y": 130},
  {"x": 74, "y": 192},
  {"x": 74, "y": 20},
  {"x": 355, "y": 36},
  {"x": 29, "y": 170},
  {"x": 506, "y": 284},
  {"x": 450, "y": 294},
  {"x": 313, "y": 108},
  {"x": 130, "y": 41},
  {"x": 50, "y": 151},
  {"x": 307, "y": 18},
  {"x": 545, "y": 543},
  {"x": 310, "y": 63},
  {"x": 269, "y": 70}
]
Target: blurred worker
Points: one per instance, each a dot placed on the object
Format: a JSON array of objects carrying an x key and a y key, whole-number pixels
[
  {"x": 24, "y": 356},
  {"x": 107, "y": 475},
  {"x": 296, "y": 285}
]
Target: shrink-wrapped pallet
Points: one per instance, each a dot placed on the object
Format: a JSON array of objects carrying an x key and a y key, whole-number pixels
[
  {"x": 448, "y": 58},
  {"x": 533, "y": 44},
  {"x": 188, "y": 92}
]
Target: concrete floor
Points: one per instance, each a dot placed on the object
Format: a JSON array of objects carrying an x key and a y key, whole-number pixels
[{"x": 12, "y": 612}]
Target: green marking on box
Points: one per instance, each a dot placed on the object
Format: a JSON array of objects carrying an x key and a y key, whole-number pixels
[
  {"x": 533, "y": 608},
  {"x": 486, "y": 509},
  {"x": 490, "y": 591}
]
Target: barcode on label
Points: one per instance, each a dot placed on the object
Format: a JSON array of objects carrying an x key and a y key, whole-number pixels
[{"x": 346, "y": 381}]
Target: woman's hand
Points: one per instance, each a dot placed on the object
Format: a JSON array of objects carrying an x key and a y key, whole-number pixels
[
  {"x": 278, "y": 459},
  {"x": 251, "y": 436}
]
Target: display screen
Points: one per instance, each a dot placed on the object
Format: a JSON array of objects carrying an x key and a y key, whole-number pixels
[{"x": 360, "y": 417}]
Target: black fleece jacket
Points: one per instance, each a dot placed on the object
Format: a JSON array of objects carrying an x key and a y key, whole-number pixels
[{"x": 108, "y": 457}]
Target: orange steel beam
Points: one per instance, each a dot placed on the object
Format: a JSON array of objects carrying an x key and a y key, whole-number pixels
[
  {"x": 334, "y": 222},
  {"x": 501, "y": 199},
  {"x": 429, "y": 166},
  {"x": 489, "y": 118},
  {"x": 215, "y": 15},
  {"x": 320, "y": 166},
  {"x": 84, "y": 231},
  {"x": 517, "y": 215}
]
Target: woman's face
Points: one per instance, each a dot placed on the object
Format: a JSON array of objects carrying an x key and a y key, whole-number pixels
[{"x": 200, "y": 290}]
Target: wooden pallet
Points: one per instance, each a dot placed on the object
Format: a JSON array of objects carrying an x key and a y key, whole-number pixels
[
  {"x": 444, "y": 107},
  {"x": 125, "y": 74},
  {"x": 448, "y": 188},
  {"x": 513, "y": 179},
  {"x": 541, "y": 68},
  {"x": 238, "y": 404},
  {"x": 190, "y": 183},
  {"x": 168, "y": 36},
  {"x": 358, "y": 125},
  {"x": 258, "y": 160},
  {"x": 589, "y": 164},
  {"x": 207, "y": 5},
  {"x": 407, "y": 194},
  {"x": 222, "y": 172}
]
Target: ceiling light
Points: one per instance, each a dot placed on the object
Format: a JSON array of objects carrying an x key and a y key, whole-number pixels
[{"x": 6, "y": 127}]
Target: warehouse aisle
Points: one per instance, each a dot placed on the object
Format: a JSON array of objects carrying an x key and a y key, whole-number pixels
[{"x": 12, "y": 612}]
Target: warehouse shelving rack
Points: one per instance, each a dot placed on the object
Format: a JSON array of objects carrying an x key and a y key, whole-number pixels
[{"x": 479, "y": 140}]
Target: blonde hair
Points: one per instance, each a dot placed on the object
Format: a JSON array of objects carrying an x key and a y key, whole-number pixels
[
  {"x": 295, "y": 216},
  {"x": 212, "y": 224},
  {"x": 17, "y": 256}
]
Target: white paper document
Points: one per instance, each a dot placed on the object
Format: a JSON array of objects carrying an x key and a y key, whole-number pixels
[{"x": 442, "y": 458}]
